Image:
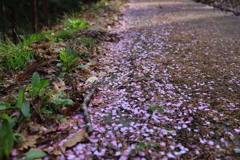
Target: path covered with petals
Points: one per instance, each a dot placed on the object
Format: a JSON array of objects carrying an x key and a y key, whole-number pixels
[{"x": 173, "y": 86}]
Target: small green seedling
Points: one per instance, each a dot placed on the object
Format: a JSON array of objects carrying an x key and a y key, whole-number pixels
[
  {"x": 68, "y": 57},
  {"x": 151, "y": 109},
  {"x": 37, "y": 85}
]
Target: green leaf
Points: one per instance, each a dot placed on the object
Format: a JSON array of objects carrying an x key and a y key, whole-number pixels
[
  {"x": 63, "y": 102},
  {"x": 12, "y": 121},
  {"x": 74, "y": 53},
  {"x": 6, "y": 138},
  {"x": 61, "y": 75},
  {"x": 44, "y": 83},
  {"x": 32, "y": 154},
  {"x": 59, "y": 64},
  {"x": 25, "y": 109},
  {"x": 7, "y": 143},
  {"x": 5, "y": 116},
  {"x": 35, "y": 79},
  {"x": 20, "y": 98},
  {"x": 63, "y": 119},
  {"x": 3, "y": 106},
  {"x": 83, "y": 66},
  {"x": 46, "y": 111},
  {"x": 68, "y": 51},
  {"x": 19, "y": 135},
  {"x": 63, "y": 56}
]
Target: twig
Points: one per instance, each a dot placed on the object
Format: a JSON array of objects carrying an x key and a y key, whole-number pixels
[{"x": 83, "y": 107}]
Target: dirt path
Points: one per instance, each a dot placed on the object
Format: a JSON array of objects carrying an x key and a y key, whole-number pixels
[{"x": 173, "y": 89}]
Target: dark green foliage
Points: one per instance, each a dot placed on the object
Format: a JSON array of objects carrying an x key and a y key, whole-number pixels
[{"x": 26, "y": 17}]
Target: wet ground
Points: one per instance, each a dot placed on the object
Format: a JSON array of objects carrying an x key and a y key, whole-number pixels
[{"x": 173, "y": 86}]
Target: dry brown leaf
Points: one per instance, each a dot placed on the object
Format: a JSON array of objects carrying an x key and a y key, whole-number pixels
[
  {"x": 171, "y": 131},
  {"x": 81, "y": 136},
  {"x": 91, "y": 79},
  {"x": 55, "y": 150},
  {"x": 102, "y": 73},
  {"x": 70, "y": 109},
  {"x": 34, "y": 127},
  {"x": 92, "y": 61},
  {"x": 110, "y": 70},
  {"x": 30, "y": 143},
  {"x": 59, "y": 85}
]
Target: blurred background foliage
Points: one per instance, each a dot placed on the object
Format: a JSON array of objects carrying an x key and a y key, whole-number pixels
[{"x": 30, "y": 16}]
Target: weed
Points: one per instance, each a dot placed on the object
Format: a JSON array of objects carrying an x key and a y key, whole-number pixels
[
  {"x": 151, "y": 109},
  {"x": 37, "y": 85},
  {"x": 65, "y": 33},
  {"x": 75, "y": 23},
  {"x": 88, "y": 42},
  {"x": 52, "y": 105},
  {"x": 68, "y": 57},
  {"x": 13, "y": 57},
  {"x": 36, "y": 37},
  {"x": 140, "y": 147}
]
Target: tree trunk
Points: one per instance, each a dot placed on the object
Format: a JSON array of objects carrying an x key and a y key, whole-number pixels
[
  {"x": 34, "y": 15},
  {"x": 13, "y": 23},
  {"x": 46, "y": 13},
  {"x": 2, "y": 16}
]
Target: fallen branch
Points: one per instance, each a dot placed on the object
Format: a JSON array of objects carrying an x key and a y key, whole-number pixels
[{"x": 83, "y": 107}]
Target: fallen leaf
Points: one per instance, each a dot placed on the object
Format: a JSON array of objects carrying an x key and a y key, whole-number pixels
[
  {"x": 70, "y": 109},
  {"x": 78, "y": 137},
  {"x": 91, "y": 79},
  {"x": 59, "y": 86},
  {"x": 171, "y": 131},
  {"x": 30, "y": 143},
  {"x": 102, "y": 73}
]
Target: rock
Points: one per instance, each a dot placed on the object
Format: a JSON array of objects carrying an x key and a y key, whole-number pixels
[{"x": 236, "y": 150}]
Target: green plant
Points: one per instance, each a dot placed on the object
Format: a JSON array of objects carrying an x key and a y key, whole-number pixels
[
  {"x": 36, "y": 37},
  {"x": 34, "y": 92},
  {"x": 21, "y": 104},
  {"x": 52, "y": 105},
  {"x": 7, "y": 136},
  {"x": 88, "y": 42},
  {"x": 37, "y": 85},
  {"x": 65, "y": 33},
  {"x": 151, "y": 109},
  {"x": 68, "y": 57},
  {"x": 140, "y": 147},
  {"x": 75, "y": 23},
  {"x": 14, "y": 57}
]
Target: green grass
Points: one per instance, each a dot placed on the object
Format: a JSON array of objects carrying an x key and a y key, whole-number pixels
[
  {"x": 14, "y": 57},
  {"x": 36, "y": 37}
]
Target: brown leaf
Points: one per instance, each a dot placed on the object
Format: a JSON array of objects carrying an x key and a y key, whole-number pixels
[
  {"x": 81, "y": 136},
  {"x": 59, "y": 85},
  {"x": 30, "y": 143},
  {"x": 91, "y": 79},
  {"x": 31, "y": 69},
  {"x": 70, "y": 109}
]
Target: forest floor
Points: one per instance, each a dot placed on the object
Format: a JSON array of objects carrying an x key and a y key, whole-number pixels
[{"x": 168, "y": 89}]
